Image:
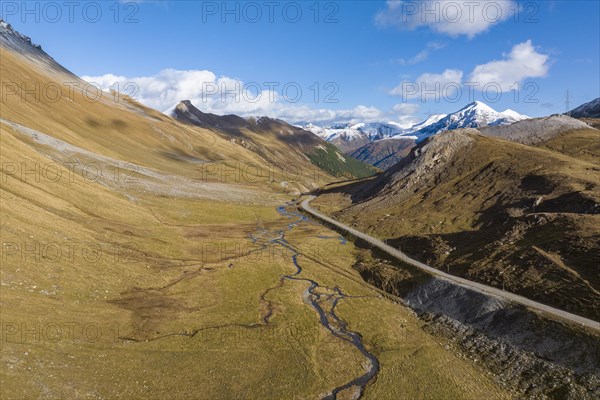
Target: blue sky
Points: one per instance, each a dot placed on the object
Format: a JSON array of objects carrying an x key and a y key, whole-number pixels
[{"x": 357, "y": 53}]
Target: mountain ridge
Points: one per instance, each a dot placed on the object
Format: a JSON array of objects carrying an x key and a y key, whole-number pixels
[
  {"x": 590, "y": 109},
  {"x": 350, "y": 137},
  {"x": 263, "y": 134},
  {"x": 23, "y": 46}
]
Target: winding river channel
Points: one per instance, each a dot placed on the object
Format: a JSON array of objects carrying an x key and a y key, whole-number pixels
[{"x": 328, "y": 319}]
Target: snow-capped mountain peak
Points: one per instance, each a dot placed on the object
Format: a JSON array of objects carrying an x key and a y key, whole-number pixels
[
  {"x": 348, "y": 132},
  {"x": 473, "y": 115},
  {"x": 513, "y": 114},
  {"x": 480, "y": 105},
  {"x": 429, "y": 121},
  {"x": 476, "y": 113}
]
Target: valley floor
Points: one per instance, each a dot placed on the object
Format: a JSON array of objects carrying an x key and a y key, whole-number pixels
[{"x": 224, "y": 311}]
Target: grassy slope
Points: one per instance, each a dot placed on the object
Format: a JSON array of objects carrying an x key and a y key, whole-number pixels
[
  {"x": 476, "y": 217},
  {"x": 126, "y": 130},
  {"x": 582, "y": 143},
  {"x": 127, "y": 297}
]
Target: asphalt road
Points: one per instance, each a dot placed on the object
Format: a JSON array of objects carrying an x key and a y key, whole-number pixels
[{"x": 475, "y": 286}]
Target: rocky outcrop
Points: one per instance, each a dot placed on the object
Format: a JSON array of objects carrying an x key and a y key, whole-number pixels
[{"x": 536, "y": 130}]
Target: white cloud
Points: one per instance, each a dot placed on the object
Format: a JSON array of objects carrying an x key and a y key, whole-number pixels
[
  {"x": 421, "y": 56},
  {"x": 405, "y": 114},
  {"x": 521, "y": 63},
  {"x": 430, "y": 86},
  {"x": 167, "y": 88},
  {"x": 225, "y": 95},
  {"x": 405, "y": 109},
  {"x": 450, "y": 17},
  {"x": 303, "y": 113},
  {"x": 402, "y": 114}
]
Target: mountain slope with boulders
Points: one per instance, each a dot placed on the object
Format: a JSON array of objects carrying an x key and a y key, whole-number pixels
[{"x": 502, "y": 213}]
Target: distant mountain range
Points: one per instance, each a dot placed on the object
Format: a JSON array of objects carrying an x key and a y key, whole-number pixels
[
  {"x": 384, "y": 144},
  {"x": 350, "y": 137},
  {"x": 474, "y": 115}
]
